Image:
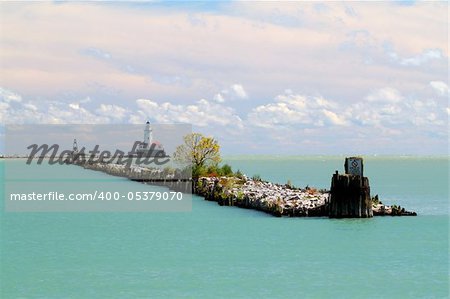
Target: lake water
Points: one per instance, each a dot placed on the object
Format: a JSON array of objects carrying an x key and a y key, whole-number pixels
[{"x": 228, "y": 252}]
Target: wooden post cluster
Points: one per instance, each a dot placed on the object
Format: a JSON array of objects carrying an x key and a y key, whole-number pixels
[{"x": 350, "y": 192}]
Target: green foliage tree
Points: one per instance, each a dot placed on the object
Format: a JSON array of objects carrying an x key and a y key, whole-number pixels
[
  {"x": 226, "y": 170},
  {"x": 198, "y": 151}
]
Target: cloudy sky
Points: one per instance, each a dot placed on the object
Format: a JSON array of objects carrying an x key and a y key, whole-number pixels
[{"x": 264, "y": 78}]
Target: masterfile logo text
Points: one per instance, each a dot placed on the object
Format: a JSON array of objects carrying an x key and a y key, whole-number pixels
[{"x": 96, "y": 168}]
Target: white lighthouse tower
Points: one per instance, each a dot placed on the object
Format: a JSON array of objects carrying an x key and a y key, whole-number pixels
[
  {"x": 148, "y": 135},
  {"x": 150, "y": 147}
]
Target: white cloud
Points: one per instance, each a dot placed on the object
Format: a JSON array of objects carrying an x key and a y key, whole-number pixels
[
  {"x": 239, "y": 91},
  {"x": 424, "y": 57},
  {"x": 30, "y": 106},
  {"x": 419, "y": 59},
  {"x": 440, "y": 87},
  {"x": 383, "y": 113},
  {"x": 112, "y": 111},
  {"x": 385, "y": 109},
  {"x": 74, "y": 106},
  {"x": 219, "y": 98},
  {"x": 388, "y": 108},
  {"x": 234, "y": 92},
  {"x": 15, "y": 110},
  {"x": 58, "y": 114},
  {"x": 295, "y": 110},
  {"x": 9, "y": 96},
  {"x": 203, "y": 113},
  {"x": 385, "y": 95},
  {"x": 334, "y": 118}
]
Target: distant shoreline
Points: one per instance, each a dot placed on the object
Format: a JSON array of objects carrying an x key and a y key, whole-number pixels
[
  {"x": 306, "y": 157},
  {"x": 337, "y": 157}
]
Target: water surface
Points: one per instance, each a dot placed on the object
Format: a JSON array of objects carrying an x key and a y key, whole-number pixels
[{"x": 227, "y": 252}]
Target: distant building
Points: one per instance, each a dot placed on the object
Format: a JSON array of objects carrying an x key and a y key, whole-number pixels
[{"x": 150, "y": 148}]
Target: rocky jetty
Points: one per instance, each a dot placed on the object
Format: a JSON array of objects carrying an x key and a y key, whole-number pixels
[
  {"x": 379, "y": 209},
  {"x": 275, "y": 199},
  {"x": 170, "y": 178}
]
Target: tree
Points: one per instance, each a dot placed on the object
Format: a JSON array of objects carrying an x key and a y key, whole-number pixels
[
  {"x": 198, "y": 151},
  {"x": 226, "y": 170}
]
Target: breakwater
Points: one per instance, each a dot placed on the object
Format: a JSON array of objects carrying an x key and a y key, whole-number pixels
[
  {"x": 279, "y": 200},
  {"x": 171, "y": 179},
  {"x": 243, "y": 192},
  {"x": 275, "y": 199}
]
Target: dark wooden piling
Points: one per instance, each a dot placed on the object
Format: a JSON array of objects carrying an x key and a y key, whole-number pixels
[{"x": 350, "y": 196}]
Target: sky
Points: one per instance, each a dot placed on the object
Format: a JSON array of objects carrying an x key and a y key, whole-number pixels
[{"x": 284, "y": 78}]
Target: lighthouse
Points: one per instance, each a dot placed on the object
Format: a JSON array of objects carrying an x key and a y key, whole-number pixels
[
  {"x": 150, "y": 147},
  {"x": 148, "y": 135}
]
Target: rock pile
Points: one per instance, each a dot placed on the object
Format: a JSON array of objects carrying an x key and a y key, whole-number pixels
[{"x": 276, "y": 199}]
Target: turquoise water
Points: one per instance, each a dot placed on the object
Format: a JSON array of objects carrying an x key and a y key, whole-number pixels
[{"x": 228, "y": 252}]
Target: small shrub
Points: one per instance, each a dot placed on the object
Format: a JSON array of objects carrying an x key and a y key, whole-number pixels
[
  {"x": 199, "y": 184},
  {"x": 240, "y": 196},
  {"x": 257, "y": 177},
  {"x": 213, "y": 171},
  {"x": 226, "y": 170},
  {"x": 376, "y": 200},
  {"x": 198, "y": 171},
  {"x": 239, "y": 174}
]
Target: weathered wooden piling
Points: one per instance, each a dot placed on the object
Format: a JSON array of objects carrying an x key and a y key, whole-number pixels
[{"x": 350, "y": 192}]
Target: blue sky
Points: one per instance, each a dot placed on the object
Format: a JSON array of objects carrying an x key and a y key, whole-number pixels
[{"x": 262, "y": 77}]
